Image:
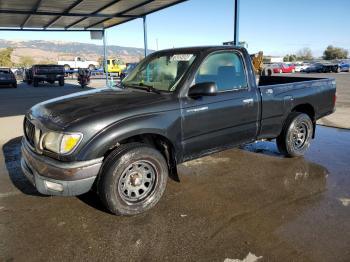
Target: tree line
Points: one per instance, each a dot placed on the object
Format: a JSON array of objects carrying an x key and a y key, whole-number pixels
[
  {"x": 305, "y": 54},
  {"x": 24, "y": 61}
]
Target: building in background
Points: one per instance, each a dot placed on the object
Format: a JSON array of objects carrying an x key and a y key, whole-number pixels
[{"x": 273, "y": 59}]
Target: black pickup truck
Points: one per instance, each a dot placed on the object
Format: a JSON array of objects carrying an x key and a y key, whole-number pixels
[
  {"x": 176, "y": 105},
  {"x": 45, "y": 73}
]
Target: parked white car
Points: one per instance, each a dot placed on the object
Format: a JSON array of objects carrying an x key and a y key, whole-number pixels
[
  {"x": 300, "y": 67},
  {"x": 79, "y": 62}
]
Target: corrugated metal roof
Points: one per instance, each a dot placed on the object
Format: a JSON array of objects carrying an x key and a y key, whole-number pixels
[{"x": 75, "y": 14}]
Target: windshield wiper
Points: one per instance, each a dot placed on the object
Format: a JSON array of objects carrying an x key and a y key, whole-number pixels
[
  {"x": 143, "y": 86},
  {"x": 150, "y": 88}
]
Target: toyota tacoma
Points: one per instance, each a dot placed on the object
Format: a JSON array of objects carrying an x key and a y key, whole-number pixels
[{"x": 176, "y": 105}]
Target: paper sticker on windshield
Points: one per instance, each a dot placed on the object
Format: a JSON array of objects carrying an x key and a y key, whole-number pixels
[{"x": 181, "y": 57}]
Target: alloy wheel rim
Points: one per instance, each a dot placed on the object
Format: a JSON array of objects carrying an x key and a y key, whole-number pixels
[{"x": 137, "y": 181}]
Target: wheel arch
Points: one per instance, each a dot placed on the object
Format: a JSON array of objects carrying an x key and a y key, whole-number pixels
[
  {"x": 158, "y": 141},
  {"x": 153, "y": 137},
  {"x": 309, "y": 110}
]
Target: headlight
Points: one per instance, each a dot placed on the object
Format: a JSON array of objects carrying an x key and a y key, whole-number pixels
[{"x": 61, "y": 143}]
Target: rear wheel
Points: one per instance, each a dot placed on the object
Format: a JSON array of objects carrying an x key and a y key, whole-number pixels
[
  {"x": 61, "y": 82},
  {"x": 133, "y": 179},
  {"x": 296, "y": 135},
  {"x": 66, "y": 67},
  {"x": 35, "y": 83},
  {"x": 91, "y": 67},
  {"x": 14, "y": 85}
]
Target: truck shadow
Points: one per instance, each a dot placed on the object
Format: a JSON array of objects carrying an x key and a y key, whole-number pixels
[
  {"x": 12, "y": 155},
  {"x": 92, "y": 199},
  {"x": 263, "y": 147}
]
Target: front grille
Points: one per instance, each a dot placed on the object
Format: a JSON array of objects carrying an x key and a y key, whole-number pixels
[{"x": 29, "y": 132}]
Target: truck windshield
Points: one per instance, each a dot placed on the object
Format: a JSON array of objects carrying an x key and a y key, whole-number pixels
[{"x": 161, "y": 72}]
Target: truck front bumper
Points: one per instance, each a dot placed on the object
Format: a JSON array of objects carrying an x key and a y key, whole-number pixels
[{"x": 52, "y": 177}]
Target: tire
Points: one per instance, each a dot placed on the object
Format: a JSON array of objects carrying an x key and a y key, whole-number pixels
[
  {"x": 66, "y": 67},
  {"x": 14, "y": 85},
  {"x": 91, "y": 67},
  {"x": 29, "y": 82},
  {"x": 35, "y": 83},
  {"x": 129, "y": 170},
  {"x": 296, "y": 135},
  {"x": 61, "y": 82}
]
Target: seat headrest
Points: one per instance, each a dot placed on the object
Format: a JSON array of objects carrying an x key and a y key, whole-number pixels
[{"x": 226, "y": 70}]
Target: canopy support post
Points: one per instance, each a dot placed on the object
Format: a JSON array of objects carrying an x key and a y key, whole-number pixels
[
  {"x": 145, "y": 34},
  {"x": 105, "y": 56},
  {"x": 236, "y": 20}
]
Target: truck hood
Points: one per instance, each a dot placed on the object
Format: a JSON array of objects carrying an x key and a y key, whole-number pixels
[{"x": 62, "y": 111}]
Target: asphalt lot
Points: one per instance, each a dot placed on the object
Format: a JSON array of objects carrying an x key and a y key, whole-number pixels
[{"x": 230, "y": 204}]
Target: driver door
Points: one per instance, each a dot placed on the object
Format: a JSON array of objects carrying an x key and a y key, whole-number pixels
[{"x": 226, "y": 119}]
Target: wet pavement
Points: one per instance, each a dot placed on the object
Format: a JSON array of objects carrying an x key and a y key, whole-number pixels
[{"x": 227, "y": 205}]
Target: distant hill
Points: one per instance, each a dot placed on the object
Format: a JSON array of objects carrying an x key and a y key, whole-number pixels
[{"x": 54, "y": 50}]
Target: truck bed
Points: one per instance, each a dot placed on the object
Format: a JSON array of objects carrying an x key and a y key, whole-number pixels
[
  {"x": 280, "y": 95},
  {"x": 276, "y": 80}
]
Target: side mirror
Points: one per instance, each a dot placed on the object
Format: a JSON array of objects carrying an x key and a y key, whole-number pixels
[{"x": 203, "y": 89}]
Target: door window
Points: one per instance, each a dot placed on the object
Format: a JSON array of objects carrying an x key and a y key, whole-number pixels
[{"x": 226, "y": 69}]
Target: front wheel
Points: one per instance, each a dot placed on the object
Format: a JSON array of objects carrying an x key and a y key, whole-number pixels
[
  {"x": 133, "y": 179},
  {"x": 296, "y": 135}
]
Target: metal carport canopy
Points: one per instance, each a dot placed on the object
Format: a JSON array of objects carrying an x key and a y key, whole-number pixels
[
  {"x": 77, "y": 15},
  {"x": 74, "y": 15},
  {"x": 83, "y": 15}
]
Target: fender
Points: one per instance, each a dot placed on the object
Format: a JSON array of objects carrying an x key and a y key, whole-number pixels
[{"x": 166, "y": 124}]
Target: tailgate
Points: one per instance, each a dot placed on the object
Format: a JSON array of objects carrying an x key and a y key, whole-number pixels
[{"x": 49, "y": 70}]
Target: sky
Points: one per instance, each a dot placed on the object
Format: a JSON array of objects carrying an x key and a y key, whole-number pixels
[{"x": 277, "y": 27}]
